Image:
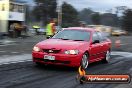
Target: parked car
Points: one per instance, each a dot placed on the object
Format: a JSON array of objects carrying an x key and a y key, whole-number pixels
[
  {"x": 40, "y": 31},
  {"x": 73, "y": 47},
  {"x": 119, "y": 32}
]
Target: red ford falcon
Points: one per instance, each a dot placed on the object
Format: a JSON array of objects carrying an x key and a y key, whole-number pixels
[{"x": 73, "y": 47}]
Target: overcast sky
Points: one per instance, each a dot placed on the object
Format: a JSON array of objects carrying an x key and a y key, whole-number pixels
[{"x": 97, "y": 5}]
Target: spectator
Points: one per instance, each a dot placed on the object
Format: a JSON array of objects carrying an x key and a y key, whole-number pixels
[{"x": 50, "y": 29}]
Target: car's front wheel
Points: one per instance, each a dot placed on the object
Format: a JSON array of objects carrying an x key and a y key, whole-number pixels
[{"x": 84, "y": 61}]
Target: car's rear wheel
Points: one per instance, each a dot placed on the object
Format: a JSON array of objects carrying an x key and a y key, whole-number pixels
[
  {"x": 107, "y": 57},
  {"x": 84, "y": 61}
]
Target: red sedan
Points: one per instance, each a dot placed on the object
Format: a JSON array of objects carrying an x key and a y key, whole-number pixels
[{"x": 73, "y": 47}]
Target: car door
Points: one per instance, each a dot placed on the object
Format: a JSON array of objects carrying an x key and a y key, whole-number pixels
[
  {"x": 105, "y": 45},
  {"x": 102, "y": 44},
  {"x": 95, "y": 48}
]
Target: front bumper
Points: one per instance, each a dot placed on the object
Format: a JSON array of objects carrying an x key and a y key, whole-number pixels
[{"x": 60, "y": 59}]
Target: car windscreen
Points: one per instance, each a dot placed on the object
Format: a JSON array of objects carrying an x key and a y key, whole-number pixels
[{"x": 76, "y": 35}]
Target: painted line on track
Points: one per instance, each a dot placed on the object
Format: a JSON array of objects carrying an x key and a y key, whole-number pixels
[
  {"x": 123, "y": 54},
  {"x": 7, "y": 59}
]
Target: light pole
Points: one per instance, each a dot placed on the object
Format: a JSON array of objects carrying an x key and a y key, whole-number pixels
[{"x": 59, "y": 10}]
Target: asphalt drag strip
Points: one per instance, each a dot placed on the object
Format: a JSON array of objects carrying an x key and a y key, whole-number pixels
[
  {"x": 14, "y": 59},
  {"x": 17, "y": 74}
]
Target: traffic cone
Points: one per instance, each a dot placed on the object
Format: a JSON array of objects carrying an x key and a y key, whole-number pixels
[{"x": 117, "y": 43}]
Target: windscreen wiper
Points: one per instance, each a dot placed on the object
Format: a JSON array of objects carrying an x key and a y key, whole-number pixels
[
  {"x": 63, "y": 39},
  {"x": 78, "y": 40}
]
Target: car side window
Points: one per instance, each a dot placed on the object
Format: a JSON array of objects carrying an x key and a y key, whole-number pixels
[
  {"x": 95, "y": 37},
  {"x": 101, "y": 36}
]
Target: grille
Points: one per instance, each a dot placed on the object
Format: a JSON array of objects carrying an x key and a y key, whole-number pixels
[{"x": 51, "y": 51}]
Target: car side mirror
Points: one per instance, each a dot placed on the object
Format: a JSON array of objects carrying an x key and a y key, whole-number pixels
[{"x": 96, "y": 41}]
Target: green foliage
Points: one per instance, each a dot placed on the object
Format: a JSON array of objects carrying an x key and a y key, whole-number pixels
[
  {"x": 91, "y": 17},
  {"x": 69, "y": 15},
  {"x": 127, "y": 20},
  {"x": 110, "y": 19},
  {"x": 45, "y": 10},
  {"x": 85, "y": 15},
  {"x": 96, "y": 18}
]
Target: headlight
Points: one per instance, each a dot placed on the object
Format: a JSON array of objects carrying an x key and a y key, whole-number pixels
[
  {"x": 74, "y": 52},
  {"x": 35, "y": 48}
]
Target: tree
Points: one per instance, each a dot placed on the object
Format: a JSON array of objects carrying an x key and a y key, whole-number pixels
[
  {"x": 127, "y": 20},
  {"x": 109, "y": 19},
  {"x": 45, "y": 10},
  {"x": 85, "y": 15},
  {"x": 96, "y": 18},
  {"x": 69, "y": 15}
]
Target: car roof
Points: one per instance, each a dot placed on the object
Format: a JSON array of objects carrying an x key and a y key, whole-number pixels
[{"x": 81, "y": 28}]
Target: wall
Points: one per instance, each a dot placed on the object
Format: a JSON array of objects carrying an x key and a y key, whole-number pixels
[{"x": 4, "y": 13}]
